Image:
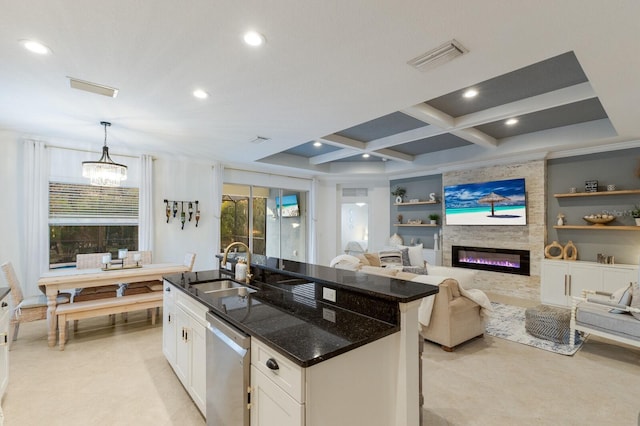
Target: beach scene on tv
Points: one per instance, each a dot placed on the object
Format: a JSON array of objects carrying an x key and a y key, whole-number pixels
[{"x": 501, "y": 202}]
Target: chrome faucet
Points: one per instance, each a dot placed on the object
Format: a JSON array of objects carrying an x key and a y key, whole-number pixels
[{"x": 226, "y": 253}]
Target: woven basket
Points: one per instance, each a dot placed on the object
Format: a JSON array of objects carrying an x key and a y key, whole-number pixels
[{"x": 548, "y": 323}]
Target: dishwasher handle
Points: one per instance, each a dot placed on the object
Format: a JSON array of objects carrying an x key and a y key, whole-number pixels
[{"x": 272, "y": 364}]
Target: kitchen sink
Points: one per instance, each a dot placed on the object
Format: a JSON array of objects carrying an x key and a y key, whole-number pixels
[
  {"x": 216, "y": 286},
  {"x": 236, "y": 291}
]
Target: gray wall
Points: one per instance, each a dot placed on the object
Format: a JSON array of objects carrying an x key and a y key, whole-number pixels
[
  {"x": 616, "y": 167},
  {"x": 420, "y": 188}
]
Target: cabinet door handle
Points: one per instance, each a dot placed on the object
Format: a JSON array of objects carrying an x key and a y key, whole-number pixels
[
  {"x": 168, "y": 289},
  {"x": 565, "y": 284},
  {"x": 569, "y": 285},
  {"x": 4, "y": 304},
  {"x": 272, "y": 364}
]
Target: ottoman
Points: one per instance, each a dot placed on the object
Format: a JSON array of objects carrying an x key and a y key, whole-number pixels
[{"x": 548, "y": 323}]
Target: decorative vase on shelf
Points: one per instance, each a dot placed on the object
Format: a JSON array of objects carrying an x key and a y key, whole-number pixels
[
  {"x": 398, "y": 199},
  {"x": 395, "y": 240}
]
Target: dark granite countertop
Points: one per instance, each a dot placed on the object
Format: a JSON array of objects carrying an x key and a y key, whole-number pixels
[
  {"x": 305, "y": 330},
  {"x": 387, "y": 288},
  {"x": 4, "y": 291},
  {"x": 286, "y": 309}
]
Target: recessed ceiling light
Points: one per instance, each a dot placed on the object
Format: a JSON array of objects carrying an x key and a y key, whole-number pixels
[
  {"x": 200, "y": 94},
  {"x": 36, "y": 47},
  {"x": 511, "y": 121},
  {"x": 317, "y": 144},
  {"x": 471, "y": 93},
  {"x": 253, "y": 38},
  {"x": 365, "y": 155}
]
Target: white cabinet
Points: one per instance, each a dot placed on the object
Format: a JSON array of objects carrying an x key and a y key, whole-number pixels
[
  {"x": 184, "y": 342},
  {"x": 169, "y": 323},
  {"x": 5, "y": 314},
  {"x": 349, "y": 389},
  {"x": 271, "y": 405},
  {"x": 560, "y": 280}
]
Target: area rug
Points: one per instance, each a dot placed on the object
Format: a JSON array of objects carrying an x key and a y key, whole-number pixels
[{"x": 507, "y": 322}]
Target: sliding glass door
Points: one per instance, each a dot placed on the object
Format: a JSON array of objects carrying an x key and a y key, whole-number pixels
[{"x": 271, "y": 221}]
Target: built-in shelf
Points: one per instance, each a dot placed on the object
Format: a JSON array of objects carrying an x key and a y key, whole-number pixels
[
  {"x": 417, "y": 203},
  {"x": 418, "y": 224},
  {"x": 594, "y": 194},
  {"x": 599, "y": 227}
]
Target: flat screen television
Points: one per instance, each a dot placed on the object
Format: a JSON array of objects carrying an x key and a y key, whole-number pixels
[
  {"x": 289, "y": 206},
  {"x": 499, "y": 202}
]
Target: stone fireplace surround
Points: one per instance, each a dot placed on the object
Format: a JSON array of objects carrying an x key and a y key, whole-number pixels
[{"x": 529, "y": 237}]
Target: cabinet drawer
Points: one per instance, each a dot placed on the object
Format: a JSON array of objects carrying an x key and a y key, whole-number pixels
[
  {"x": 287, "y": 376},
  {"x": 190, "y": 306}
]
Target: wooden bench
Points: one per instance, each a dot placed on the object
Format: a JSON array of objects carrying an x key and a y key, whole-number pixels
[{"x": 100, "y": 307}]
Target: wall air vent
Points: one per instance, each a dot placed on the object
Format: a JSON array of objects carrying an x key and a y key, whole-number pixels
[
  {"x": 354, "y": 192},
  {"x": 438, "y": 56},
  {"x": 96, "y": 88}
]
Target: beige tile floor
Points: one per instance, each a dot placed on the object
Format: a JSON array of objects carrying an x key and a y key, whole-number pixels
[
  {"x": 105, "y": 376},
  {"x": 119, "y": 376}
]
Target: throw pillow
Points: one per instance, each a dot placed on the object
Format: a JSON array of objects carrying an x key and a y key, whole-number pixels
[
  {"x": 363, "y": 259},
  {"x": 405, "y": 257},
  {"x": 415, "y": 270},
  {"x": 373, "y": 258},
  {"x": 622, "y": 296},
  {"x": 416, "y": 257},
  {"x": 635, "y": 300},
  {"x": 390, "y": 258}
]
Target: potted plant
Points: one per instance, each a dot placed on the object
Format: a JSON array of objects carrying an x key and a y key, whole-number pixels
[
  {"x": 399, "y": 193},
  {"x": 635, "y": 212},
  {"x": 433, "y": 218}
]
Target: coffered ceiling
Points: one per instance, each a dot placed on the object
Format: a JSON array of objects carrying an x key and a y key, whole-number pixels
[{"x": 334, "y": 73}]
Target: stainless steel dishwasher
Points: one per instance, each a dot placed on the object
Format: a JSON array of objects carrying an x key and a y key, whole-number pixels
[{"x": 228, "y": 374}]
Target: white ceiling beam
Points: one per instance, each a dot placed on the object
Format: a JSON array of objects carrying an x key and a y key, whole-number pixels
[
  {"x": 567, "y": 95},
  {"x": 352, "y": 147},
  {"x": 343, "y": 142},
  {"x": 391, "y": 154},
  {"x": 333, "y": 156},
  {"x": 446, "y": 124}
]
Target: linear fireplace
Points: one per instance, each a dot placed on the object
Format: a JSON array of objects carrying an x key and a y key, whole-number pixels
[{"x": 492, "y": 259}]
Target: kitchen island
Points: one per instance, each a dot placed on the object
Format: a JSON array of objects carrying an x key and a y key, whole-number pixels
[{"x": 353, "y": 339}]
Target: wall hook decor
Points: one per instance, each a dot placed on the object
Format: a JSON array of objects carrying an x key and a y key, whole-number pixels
[
  {"x": 172, "y": 206},
  {"x": 182, "y": 214}
]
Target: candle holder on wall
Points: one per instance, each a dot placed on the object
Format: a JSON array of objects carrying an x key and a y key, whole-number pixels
[{"x": 172, "y": 206}]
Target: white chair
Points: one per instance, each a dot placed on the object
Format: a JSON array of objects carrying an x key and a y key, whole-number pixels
[
  {"x": 24, "y": 309},
  {"x": 189, "y": 260}
]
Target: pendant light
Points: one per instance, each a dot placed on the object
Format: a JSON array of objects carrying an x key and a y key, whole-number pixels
[{"x": 104, "y": 172}]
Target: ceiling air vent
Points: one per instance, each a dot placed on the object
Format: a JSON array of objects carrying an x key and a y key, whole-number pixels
[
  {"x": 259, "y": 139},
  {"x": 96, "y": 88},
  {"x": 438, "y": 56}
]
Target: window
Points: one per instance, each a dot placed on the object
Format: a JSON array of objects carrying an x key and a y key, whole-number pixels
[{"x": 90, "y": 219}]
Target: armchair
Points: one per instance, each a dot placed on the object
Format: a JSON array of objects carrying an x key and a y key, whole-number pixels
[{"x": 454, "y": 318}]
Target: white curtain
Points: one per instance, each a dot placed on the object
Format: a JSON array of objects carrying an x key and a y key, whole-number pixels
[
  {"x": 313, "y": 221},
  {"x": 36, "y": 209},
  {"x": 145, "y": 213},
  {"x": 216, "y": 205}
]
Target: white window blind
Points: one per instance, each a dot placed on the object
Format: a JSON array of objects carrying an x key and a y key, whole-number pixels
[{"x": 72, "y": 204}]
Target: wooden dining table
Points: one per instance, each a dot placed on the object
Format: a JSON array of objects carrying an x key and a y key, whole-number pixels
[{"x": 53, "y": 281}]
